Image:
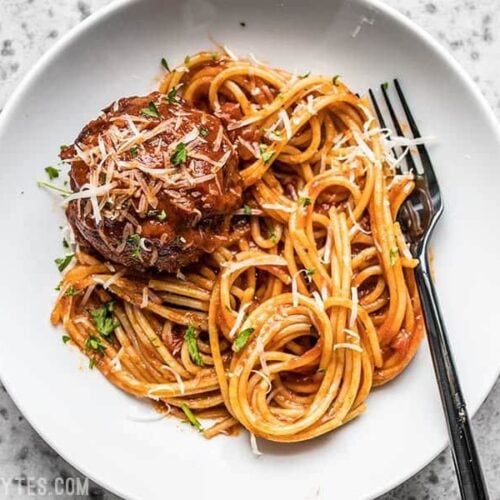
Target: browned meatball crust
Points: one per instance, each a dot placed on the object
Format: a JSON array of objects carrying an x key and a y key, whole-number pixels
[{"x": 156, "y": 180}]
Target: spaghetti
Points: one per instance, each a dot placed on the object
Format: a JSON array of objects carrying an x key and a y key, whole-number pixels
[{"x": 285, "y": 329}]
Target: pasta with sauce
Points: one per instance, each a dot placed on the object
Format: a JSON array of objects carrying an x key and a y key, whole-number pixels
[{"x": 303, "y": 298}]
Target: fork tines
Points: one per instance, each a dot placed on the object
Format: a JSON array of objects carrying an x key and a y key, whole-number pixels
[{"x": 398, "y": 127}]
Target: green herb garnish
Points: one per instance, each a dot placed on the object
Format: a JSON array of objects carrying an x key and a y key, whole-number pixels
[
  {"x": 161, "y": 216},
  {"x": 65, "y": 243},
  {"x": 94, "y": 343},
  {"x": 385, "y": 85},
  {"x": 241, "y": 339},
  {"x": 103, "y": 319},
  {"x": 310, "y": 272},
  {"x": 179, "y": 155},
  {"x": 171, "y": 96},
  {"x": 71, "y": 291},
  {"x": 247, "y": 210},
  {"x": 47, "y": 185},
  {"x": 266, "y": 152},
  {"x": 393, "y": 255},
  {"x": 191, "y": 417},
  {"x": 215, "y": 56},
  {"x": 275, "y": 135},
  {"x": 52, "y": 172},
  {"x": 151, "y": 110},
  {"x": 133, "y": 151},
  {"x": 204, "y": 131},
  {"x": 305, "y": 75},
  {"x": 272, "y": 236},
  {"x": 305, "y": 201},
  {"x": 92, "y": 363},
  {"x": 164, "y": 63},
  {"x": 63, "y": 147},
  {"x": 335, "y": 78},
  {"x": 192, "y": 345},
  {"x": 135, "y": 241},
  {"x": 187, "y": 59},
  {"x": 63, "y": 262},
  {"x": 66, "y": 338}
]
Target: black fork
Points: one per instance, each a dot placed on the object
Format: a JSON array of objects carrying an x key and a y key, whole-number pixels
[{"x": 418, "y": 217}]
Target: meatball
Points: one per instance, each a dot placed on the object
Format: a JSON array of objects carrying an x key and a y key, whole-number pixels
[{"x": 154, "y": 183}]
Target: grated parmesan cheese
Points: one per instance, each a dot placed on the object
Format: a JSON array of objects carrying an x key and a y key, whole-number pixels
[
  {"x": 276, "y": 206},
  {"x": 352, "y": 333},
  {"x": 145, "y": 298},
  {"x": 318, "y": 300},
  {"x": 354, "y": 309},
  {"x": 239, "y": 320},
  {"x": 91, "y": 192},
  {"x": 285, "y": 119},
  {"x": 347, "y": 345},
  {"x": 266, "y": 379},
  {"x": 253, "y": 445}
]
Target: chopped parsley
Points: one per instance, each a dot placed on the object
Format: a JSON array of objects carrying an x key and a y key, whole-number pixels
[
  {"x": 335, "y": 78},
  {"x": 215, "y": 56},
  {"x": 204, "y": 131},
  {"x": 66, "y": 338},
  {"x": 192, "y": 345},
  {"x": 52, "y": 172},
  {"x": 305, "y": 201},
  {"x": 65, "y": 243},
  {"x": 161, "y": 216},
  {"x": 187, "y": 59},
  {"x": 94, "y": 344},
  {"x": 305, "y": 75},
  {"x": 171, "y": 96},
  {"x": 272, "y": 236},
  {"x": 385, "y": 85},
  {"x": 247, "y": 210},
  {"x": 164, "y": 63},
  {"x": 179, "y": 155},
  {"x": 63, "y": 192},
  {"x": 241, "y": 339},
  {"x": 58, "y": 287},
  {"x": 274, "y": 135},
  {"x": 63, "y": 262},
  {"x": 393, "y": 255},
  {"x": 310, "y": 272},
  {"x": 71, "y": 291},
  {"x": 63, "y": 147},
  {"x": 191, "y": 417},
  {"x": 266, "y": 152},
  {"x": 103, "y": 319},
  {"x": 133, "y": 151},
  {"x": 91, "y": 363},
  {"x": 135, "y": 241},
  {"x": 151, "y": 110}
]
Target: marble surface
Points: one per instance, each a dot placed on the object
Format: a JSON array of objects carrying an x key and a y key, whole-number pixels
[{"x": 469, "y": 29}]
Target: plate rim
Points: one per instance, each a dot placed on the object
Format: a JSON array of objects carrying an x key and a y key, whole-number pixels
[{"x": 115, "y": 6}]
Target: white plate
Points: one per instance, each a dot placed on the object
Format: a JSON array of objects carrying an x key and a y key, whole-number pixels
[{"x": 83, "y": 417}]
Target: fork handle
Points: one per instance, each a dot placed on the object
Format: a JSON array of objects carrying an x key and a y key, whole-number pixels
[{"x": 465, "y": 457}]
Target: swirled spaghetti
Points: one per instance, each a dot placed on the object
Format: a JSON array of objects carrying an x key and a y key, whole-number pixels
[{"x": 310, "y": 300}]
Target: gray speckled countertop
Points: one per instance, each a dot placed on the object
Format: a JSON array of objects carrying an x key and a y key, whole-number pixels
[{"x": 469, "y": 29}]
